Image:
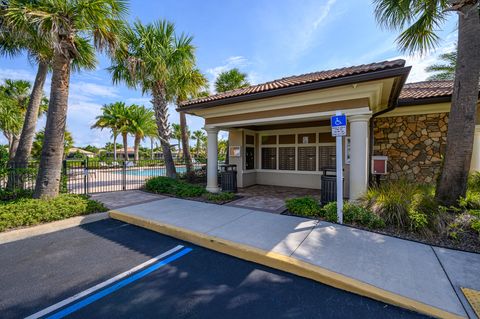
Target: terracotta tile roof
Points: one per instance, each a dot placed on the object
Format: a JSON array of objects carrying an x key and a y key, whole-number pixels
[
  {"x": 301, "y": 79},
  {"x": 426, "y": 89}
]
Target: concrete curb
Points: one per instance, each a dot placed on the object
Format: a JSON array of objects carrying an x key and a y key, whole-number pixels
[
  {"x": 23, "y": 233},
  {"x": 285, "y": 263}
]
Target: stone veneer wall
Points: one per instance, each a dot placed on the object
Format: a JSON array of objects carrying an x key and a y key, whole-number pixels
[{"x": 414, "y": 145}]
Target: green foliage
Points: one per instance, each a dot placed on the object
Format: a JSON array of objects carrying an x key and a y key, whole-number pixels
[
  {"x": 471, "y": 200},
  {"x": 474, "y": 182},
  {"x": 166, "y": 185},
  {"x": 476, "y": 225},
  {"x": 230, "y": 80},
  {"x": 353, "y": 214},
  {"x": 8, "y": 195},
  {"x": 219, "y": 197},
  {"x": 28, "y": 211},
  {"x": 407, "y": 206},
  {"x": 303, "y": 206}
]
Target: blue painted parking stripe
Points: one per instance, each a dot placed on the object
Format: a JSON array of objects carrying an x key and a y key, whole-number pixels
[{"x": 118, "y": 285}]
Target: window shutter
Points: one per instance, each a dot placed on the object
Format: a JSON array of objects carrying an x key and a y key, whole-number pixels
[
  {"x": 269, "y": 158},
  {"x": 307, "y": 158},
  {"x": 326, "y": 157},
  {"x": 286, "y": 158}
]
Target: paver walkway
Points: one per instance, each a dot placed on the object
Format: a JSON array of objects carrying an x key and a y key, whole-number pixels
[{"x": 420, "y": 272}]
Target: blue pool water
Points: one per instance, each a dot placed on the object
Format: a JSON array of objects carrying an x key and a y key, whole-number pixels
[{"x": 160, "y": 171}]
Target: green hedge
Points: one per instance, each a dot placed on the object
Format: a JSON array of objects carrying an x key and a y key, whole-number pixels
[
  {"x": 28, "y": 211},
  {"x": 166, "y": 185}
]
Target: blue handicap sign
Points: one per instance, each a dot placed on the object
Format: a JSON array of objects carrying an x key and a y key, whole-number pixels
[{"x": 339, "y": 120}]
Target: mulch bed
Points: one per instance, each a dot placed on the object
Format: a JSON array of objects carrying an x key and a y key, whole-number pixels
[{"x": 468, "y": 241}]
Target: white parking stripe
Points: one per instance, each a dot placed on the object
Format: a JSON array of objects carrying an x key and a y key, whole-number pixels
[{"x": 84, "y": 293}]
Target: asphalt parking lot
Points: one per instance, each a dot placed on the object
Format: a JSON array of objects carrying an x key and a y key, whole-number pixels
[{"x": 69, "y": 273}]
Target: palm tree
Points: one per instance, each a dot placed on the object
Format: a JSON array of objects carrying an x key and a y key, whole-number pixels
[
  {"x": 142, "y": 125},
  {"x": 177, "y": 134},
  {"x": 40, "y": 137},
  {"x": 419, "y": 21},
  {"x": 15, "y": 100},
  {"x": 231, "y": 80},
  {"x": 188, "y": 85},
  {"x": 443, "y": 71},
  {"x": 14, "y": 42},
  {"x": 124, "y": 121},
  {"x": 73, "y": 29},
  {"x": 198, "y": 136},
  {"x": 151, "y": 56},
  {"x": 109, "y": 119}
]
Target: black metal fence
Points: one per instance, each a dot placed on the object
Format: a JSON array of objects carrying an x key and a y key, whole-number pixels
[{"x": 94, "y": 176}]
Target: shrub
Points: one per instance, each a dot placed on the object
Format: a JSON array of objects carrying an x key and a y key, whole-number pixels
[
  {"x": 303, "y": 206},
  {"x": 166, "y": 185},
  {"x": 476, "y": 225},
  {"x": 406, "y": 205},
  {"x": 8, "y": 195},
  {"x": 28, "y": 211},
  {"x": 219, "y": 197},
  {"x": 353, "y": 214},
  {"x": 471, "y": 200},
  {"x": 474, "y": 182}
]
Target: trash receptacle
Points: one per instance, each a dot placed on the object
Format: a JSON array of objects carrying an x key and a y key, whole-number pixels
[
  {"x": 328, "y": 192},
  {"x": 228, "y": 178}
]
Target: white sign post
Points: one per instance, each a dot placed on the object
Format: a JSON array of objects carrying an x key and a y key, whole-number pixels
[{"x": 339, "y": 129}]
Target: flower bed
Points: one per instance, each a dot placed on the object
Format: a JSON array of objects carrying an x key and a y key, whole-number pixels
[{"x": 408, "y": 211}]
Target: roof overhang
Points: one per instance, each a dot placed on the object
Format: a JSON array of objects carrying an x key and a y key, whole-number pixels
[{"x": 398, "y": 75}]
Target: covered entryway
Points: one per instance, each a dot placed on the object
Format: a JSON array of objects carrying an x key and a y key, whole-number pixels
[{"x": 280, "y": 130}]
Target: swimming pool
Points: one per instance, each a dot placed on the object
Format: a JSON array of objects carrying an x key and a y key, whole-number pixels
[{"x": 149, "y": 172}]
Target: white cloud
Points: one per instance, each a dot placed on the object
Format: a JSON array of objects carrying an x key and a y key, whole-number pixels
[
  {"x": 237, "y": 61},
  {"x": 16, "y": 74},
  {"x": 419, "y": 63},
  {"x": 146, "y": 101},
  {"x": 87, "y": 91}
]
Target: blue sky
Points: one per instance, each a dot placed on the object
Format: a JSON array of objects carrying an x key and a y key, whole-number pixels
[{"x": 266, "y": 39}]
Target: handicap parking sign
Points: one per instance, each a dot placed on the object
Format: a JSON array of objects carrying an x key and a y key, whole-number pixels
[{"x": 339, "y": 125}]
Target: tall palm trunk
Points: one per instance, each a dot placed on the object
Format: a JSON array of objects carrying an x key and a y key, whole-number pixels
[
  {"x": 125, "y": 146},
  {"x": 115, "y": 145},
  {"x": 452, "y": 183},
  {"x": 136, "y": 146},
  {"x": 151, "y": 149},
  {"x": 31, "y": 116},
  {"x": 50, "y": 169},
  {"x": 22, "y": 153},
  {"x": 161, "y": 114},
  {"x": 185, "y": 144},
  {"x": 13, "y": 147}
]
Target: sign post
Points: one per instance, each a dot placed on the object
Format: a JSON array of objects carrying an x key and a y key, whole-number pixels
[{"x": 339, "y": 130}]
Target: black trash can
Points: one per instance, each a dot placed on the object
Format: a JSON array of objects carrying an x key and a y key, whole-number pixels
[
  {"x": 328, "y": 192},
  {"x": 228, "y": 178}
]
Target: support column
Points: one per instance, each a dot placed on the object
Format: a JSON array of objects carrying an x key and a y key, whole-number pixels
[
  {"x": 212, "y": 159},
  {"x": 358, "y": 154},
  {"x": 475, "y": 164}
]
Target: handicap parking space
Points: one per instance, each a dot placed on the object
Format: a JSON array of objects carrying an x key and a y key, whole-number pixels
[{"x": 109, "y": 269}]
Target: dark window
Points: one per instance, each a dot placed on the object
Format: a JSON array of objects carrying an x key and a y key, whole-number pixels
[
  {"x": 307, "y": 138},
  {"x": 307, "y": 158},
  {"x": 269, "y": 139},
  {"x": 249, "y": 139},
  {"x": 286, "y": 158},
  {"x": 326, "y": 157},
  {"x": 286, "y": 139},
  {"x": 269, "y": 158},
  {"x": 249, "y": 158}
]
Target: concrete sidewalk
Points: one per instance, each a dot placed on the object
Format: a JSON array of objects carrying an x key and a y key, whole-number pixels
[{"x": 400, "y": 272}]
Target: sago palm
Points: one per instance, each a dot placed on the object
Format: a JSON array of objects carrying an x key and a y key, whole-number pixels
[
  {"x": 150, "y": 57},
  {"x": 73, "y": 29},
  {"x": 418, "y": 21}
]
